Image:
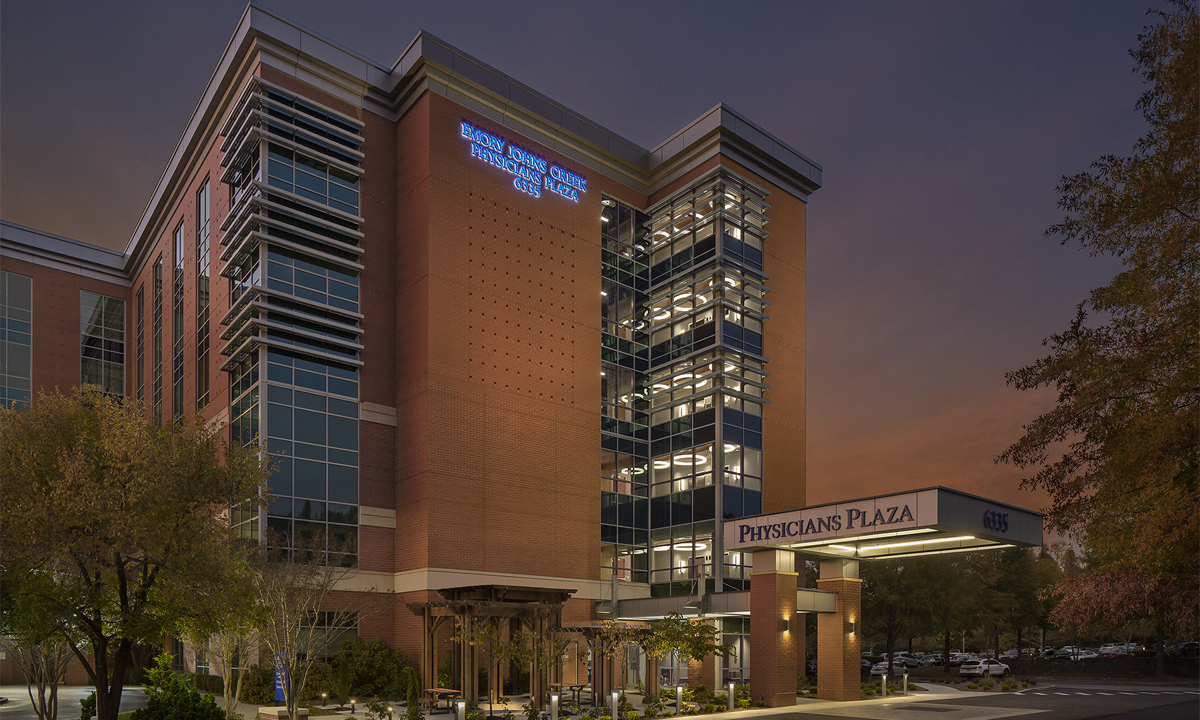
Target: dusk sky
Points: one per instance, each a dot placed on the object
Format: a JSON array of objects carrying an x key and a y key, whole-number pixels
[{"x": 942, "y": 128}]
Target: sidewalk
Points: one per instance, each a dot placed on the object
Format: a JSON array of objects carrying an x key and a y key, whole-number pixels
[{"x": 933, "y": 692}]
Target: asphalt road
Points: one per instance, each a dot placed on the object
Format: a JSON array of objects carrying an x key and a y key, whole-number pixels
[
  {"x": 1058, "y": 700},
  {"x": 18, "y": 706}
]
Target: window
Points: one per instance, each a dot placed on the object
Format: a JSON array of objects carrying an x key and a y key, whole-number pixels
[
  {"x": 102, "y": 352},
  {"x": 157, "y": 321},
  {"x": 16, "y": 339},
  {"x": 177, "y": 325},
  {"x": 140, "y": 369},
  {"x": 202, "y": 270}
]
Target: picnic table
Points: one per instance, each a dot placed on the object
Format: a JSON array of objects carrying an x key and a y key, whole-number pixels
[
  {"x": 436, "y": 695},
  {"x": 576, "y": 690}
]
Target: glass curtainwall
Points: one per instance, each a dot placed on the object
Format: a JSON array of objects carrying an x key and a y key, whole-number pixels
[
  {"x": 706, "y": 378},
  {"x": 624, "y": 466},
  {"x": 16, "y": 340},
  {"x": 292, "y": 333}
]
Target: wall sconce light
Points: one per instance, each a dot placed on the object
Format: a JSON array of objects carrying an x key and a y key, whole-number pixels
[
  {"x": 853, "y": 626},
  {"x": 785, "y": 625}
]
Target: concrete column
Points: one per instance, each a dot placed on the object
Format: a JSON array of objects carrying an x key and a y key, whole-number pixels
[
  {"x": 839, "y": 634},
  {"x": 773, "y": 642}
]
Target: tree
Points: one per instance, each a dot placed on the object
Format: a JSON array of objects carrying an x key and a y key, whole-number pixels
[
  {"x": 43, "y": 663},
  {"x": 951, "y": 599},
  {"x": 896, "y": 596},
  {"x": 307, "y": 612},
  {"x": 225, "y": 622},
  {"x": 112, "y": 526},
  {"x": 1127, "y": 370},
  {"x": 675, "y": 634}
]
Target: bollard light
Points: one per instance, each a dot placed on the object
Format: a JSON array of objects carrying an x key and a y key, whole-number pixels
[
  {"x": 390, "y": 710},
  {"x": 906, "y": 682},
  {"x": 553, "y": 706},
  {"x": 462, "y": 710},
  {"x": 352, "y": 701},
  {"x": 731, "y": 686},
  {"x": 883, "y": 684},
  {"x": 678, "y": 699},
  {"x": 615, "y": 695},
  {"x": 324, "y": 698}
]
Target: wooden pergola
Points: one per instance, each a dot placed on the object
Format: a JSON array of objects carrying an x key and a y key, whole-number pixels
[{"x": 509, "y": 609}]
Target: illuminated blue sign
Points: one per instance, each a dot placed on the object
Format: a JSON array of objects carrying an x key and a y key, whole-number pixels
[{"x": 533, "y": 174}]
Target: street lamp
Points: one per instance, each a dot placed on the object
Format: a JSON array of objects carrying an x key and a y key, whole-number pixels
[
  {"x": 352, "y": 701},
  {"x": 390, "y": 709},
  {"x": 324, "y": 698}
]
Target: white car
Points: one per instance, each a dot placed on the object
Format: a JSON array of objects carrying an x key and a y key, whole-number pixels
[
  {"x": 932, "y": 660},
  {"x": 1084, "y": 655},
  {"x": 984, "y": 668}
]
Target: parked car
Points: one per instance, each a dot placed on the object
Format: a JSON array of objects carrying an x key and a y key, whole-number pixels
[
  {"x": 984, "y": 668},
  {"x": 957, "y": 659},
  {"x": 1009, "y": 654},
  {"x": 906, "y": 659},
  {"x": 932, "y": 660},
  {"x": 1085, "y": 654},
  {"x": 1114, "y": 652},
  {"x": 1066, "y": 651},
  {"x": 810, "y": 667}
]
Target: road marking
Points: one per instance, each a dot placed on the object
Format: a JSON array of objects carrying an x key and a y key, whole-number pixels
[
  {"x": 1103, "y": 693},
  {"x": 1063, "y": 694},
  {"x": 1079, "y": 693},
  {"x": 1038, "y": 693},
  {"x": 1127, "y": 693}
]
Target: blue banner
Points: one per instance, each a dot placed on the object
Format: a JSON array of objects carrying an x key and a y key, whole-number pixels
[{"x": 281, "y": 677}]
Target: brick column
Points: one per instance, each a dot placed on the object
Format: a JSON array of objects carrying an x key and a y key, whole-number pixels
[
  {"x": 774, "y": 647},
  {"x": 838, "y": 649}
]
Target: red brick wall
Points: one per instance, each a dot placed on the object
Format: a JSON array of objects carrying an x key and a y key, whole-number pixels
[
  {"x": 838, "y": 652},
  {"x": 56, "y": 323},
  {"x": 775, "y": 654}
]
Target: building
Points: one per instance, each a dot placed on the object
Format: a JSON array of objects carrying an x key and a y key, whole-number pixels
[{"x": 488, "y": 342}]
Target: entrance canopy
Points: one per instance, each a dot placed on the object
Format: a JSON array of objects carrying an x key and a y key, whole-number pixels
[{"x": 919, "y": 522}]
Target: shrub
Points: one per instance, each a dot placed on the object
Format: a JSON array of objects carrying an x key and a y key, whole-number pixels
[
  {"x": 321, "y": 679},
  {"x": 172, "y": 696},
  {"x": 412, "y": 700},
  {"x": 87, "y": 707},
  {"x": 208, "y": 683},
  {"x": 972, "y": 686},
  {"x": 370, "y": 668},
  {"x": 986, "y": 684},
  {"x": 259, "y": 686}
]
